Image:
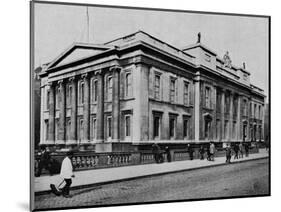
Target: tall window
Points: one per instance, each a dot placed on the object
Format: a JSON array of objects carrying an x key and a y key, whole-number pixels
[
  {"x": 109, "y": 127},
  {"x": 48, "y": 100},
  {"x": 218, "y": 130},
  {"x": 207, "y": 97},
  {"x": 46, "y": 130},
  {"x": 57, "y": 97},
  {"x": 68, "y": 127},
  {"x": 207, "y": 127},
  {"x": 109, "y": 88},
  {"x": 81, "y": 129},
  {"x": 81, "y": 93},
  {"x": 245, "y": 107},
  {"x": 94, "y": 128},
  {"x": 185, "y": 128},
  {"x": 255, "y": 111},
  {"x": 185, "y": 94},
  {"x": 218, "y": 101},
  {"x": 94, "y": 90},
  {"x": 225, "y": 129},
  {"x": 69, "y": 95},
  {"x": 128, "y": 85},
  {"x": 259, "y": 113},
  {"x": 172, "y": 90},
  {"x": 57, "y": 129},
  {"x": 172, "y": 127},
  {"x": 234, "y": 129},
  {"x": 156, "y": 126},
  {"x": 127, "y": 126},
  {"x": 157, "y": 87}
]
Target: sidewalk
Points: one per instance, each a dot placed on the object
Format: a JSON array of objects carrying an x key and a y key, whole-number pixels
[{"x": 101, "y": 176}]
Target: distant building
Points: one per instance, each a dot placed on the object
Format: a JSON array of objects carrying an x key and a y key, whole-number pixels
[{"x": 137, "y": 90}]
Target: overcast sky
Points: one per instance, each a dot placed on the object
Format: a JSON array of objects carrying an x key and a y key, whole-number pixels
[{"x": 246, "y": 38}]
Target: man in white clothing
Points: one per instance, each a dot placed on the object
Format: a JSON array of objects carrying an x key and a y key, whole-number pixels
[{"x": 66, "y": 173}]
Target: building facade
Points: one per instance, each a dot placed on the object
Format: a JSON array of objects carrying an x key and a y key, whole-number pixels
[{"x": 138, "y": 90}]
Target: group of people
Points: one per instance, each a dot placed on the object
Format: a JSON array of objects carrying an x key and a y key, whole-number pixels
[
  {"x": 238, "y": 150},
  {"x": 158, "y": 154},
  {"x": 210, "y": 151}
]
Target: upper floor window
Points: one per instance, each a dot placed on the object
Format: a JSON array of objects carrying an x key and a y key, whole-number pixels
[
  {"x": 69, "y": 95},
  {"x": 48, "y": 100},
  {"x": 109, "y": 88},
  {"x": 81, "y": 93},
  {"x": 94, "y": 90},
  {"x": 259, "y": 115},
  {"x": 128, "y": 85},
  {"x": 244, "y": 107},
  {"x": 255, "y": 111},
  {"x": 208, "y": 97},
  {"x": 58, "y": 98},
  {"x": 157, "y": 87},
  {"x": 185, "y": 93},
  {"x": 172, "y": 89}
]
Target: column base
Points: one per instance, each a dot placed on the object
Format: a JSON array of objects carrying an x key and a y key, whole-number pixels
[{"x": 59, "y": 142}]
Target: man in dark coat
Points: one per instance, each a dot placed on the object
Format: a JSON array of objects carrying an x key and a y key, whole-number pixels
[
  {"x": 246, "y": 149},
  {"x": 44, "y": 161},
  {"x": 228, "y": 153},
  {"x": 201, "y": 152},
  {"x": 156, "y": 152},
  {"x": 168, "y": 153},
  {"x": 190, "y": 151}
]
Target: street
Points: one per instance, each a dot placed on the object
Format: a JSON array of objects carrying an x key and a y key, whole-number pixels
[{"x": 240, "y": 179}]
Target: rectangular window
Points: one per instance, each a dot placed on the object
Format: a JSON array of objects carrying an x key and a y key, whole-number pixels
[
  {"x": 127, "y": 126},
  {"x": 207, "y": 97},
  {"x": 81, "y": 129},
  {"x": 109, "y": 88},
  {"x": 57, "y": 98},
  {"x": 128, "y": 85},
  {"x": 172, "y": 90},
  {"x": 218, "y": 102},
  {"x": 255, "y": 111},
  {"x": 94, "y": 91},
  {"x": 225, "y": 129},
  {"x": 185, "y": 128},
  {"x": 69, "y": 95},
  {"x": 172, "y": 127},
  {"x": 259, "y": 114},
  {"x": 46, "y": 130},
  {"x": 68, "y": 127},
  {"x": 156, "y": 127},
  {"x": 185, "y": 94},
  {"x": 94, "y": 128},
  {"x": 57, "y": 129},
  {"x": 234, "y": 130},
  {"x": 82, "y": 93},
  {"x": 218, "y": 125},
  {"x": 245, "y": 107},
  {"x": 48, "y": 100},
  {"x": 109, "y": 127},
  {"x": 157, "y": 87}
]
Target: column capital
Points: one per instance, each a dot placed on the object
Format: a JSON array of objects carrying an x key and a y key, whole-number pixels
[
  {"x": 52, "y": 83},
  {"x": 98, "y": 72},
  {"x": 72, "y": 79},
  {"x": 115, "y": 68},
  {"x": 61, "y": 82}
]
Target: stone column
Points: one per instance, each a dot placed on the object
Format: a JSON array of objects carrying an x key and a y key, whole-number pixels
[
  {"x": 230, "y": 116},
  {"x": 222, "y": 114},
  {"x": 116, "y": 104},
  {"x": 73, "y": 119},
  {"x": 197, "y": 108},
  {"x": 238, "y": 134},
  {"x": 52, "y": 113},
  {"x": 61, "y": 130},
  {"x": 86, "y": 108},
  {"x": 100, "y": 108}
]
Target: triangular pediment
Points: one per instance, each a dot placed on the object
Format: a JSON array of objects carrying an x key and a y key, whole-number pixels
[{"x": 75, "y": 52}]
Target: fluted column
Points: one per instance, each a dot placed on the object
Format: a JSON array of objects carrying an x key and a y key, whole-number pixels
[
  {"x": 52, "y": 112},
  {"x": 230, "y": 116},
  {"x": 100, "y": 107},
  {"x": 116, "y": 104},
  {"x": 73, "y": 118},
  {"x": 86, "y": 108},
  {"x": 222, "y": 114},
  {"x": 61, "y": 130},
  {"x": 197, "y": 108}
]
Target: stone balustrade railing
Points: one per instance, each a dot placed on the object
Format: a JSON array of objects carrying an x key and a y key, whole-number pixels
[{"x": 87, "y": 160}]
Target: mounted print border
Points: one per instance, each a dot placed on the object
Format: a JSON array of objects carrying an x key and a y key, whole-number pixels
[{"x": 141, "y": 105}]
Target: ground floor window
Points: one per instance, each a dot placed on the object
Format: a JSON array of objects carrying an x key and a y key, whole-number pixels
[
  {"x": 94, "y": 128},
  {"x": 128, "y": 125},
  {"x": 207, "y": 127},
  {"x": 46, "y": 130},
  {"x": 218, "y": 124},
  {"x": 109, "y": 126},
  {"x": 172, "y": 126},
  {"x": 225, "y": 129},
  {"x": 157, "y": 123},
  {"x": 234, "y": 130},
  {"x": 185, "y": 128},
  {"x": 57, "y": 129},
  {"x": 81, "y": 129},
  {"x": 68, "y": 128},
  {"x": 244, "y": 131}
]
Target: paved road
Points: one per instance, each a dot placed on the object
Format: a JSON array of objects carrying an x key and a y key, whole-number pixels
[{"x": 247, "y": 178}]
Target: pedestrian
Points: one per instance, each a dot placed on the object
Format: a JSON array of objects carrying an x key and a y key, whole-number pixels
[
  {"x": 190, "y": 151},
  {"x": 241, "y": 150},
  {"x": 168, "y": 153},
  {"x": 44, "y": 161},
  {"x": 236, "y": 150},
  {"x": 212, "y": 151},
  {"x": 246, "y": 149},
  {"x": 201, "y": 152},
  {"x": 156, "y": 152},
  {"x": 228, "y": 153},
  {"x": 66, "y": 173},
  {"x": 208, "y": 153}
]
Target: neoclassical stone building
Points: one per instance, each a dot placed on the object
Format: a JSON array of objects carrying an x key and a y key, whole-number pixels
[{"x": 137, "y": 90}]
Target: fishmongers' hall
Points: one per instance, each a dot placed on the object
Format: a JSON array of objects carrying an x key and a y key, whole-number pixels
[{"x": 137, "y": 90}]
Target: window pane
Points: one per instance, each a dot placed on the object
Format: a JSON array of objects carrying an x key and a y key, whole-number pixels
[
  {"x": 128, "y": 133},
  {"x": 156, "y": 126}
]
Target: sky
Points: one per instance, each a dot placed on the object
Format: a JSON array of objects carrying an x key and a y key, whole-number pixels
[{"x": 56, "y": 27}]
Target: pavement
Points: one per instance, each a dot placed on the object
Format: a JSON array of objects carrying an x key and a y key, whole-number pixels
[{"x": 109, "y": 175}]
